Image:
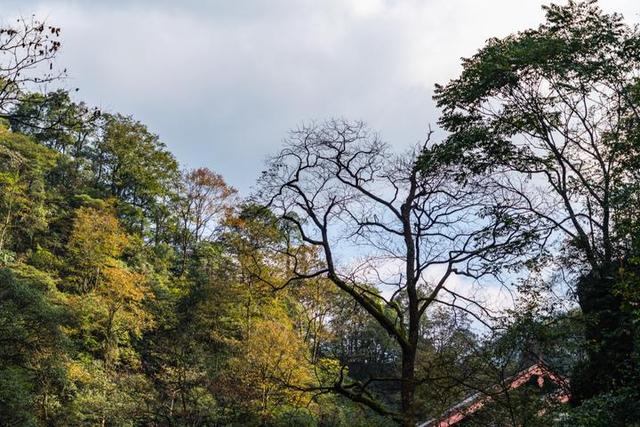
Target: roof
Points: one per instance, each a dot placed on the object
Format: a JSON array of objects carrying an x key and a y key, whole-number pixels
[{"x": 476, "y": 401}]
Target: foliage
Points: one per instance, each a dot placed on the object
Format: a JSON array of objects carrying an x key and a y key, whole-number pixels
[
  {"x": 546, "y": 120},
  {"x": 618, "y": 408},
  {"x": 134, "y": 294},
  {"x": 33, "y": 347}
]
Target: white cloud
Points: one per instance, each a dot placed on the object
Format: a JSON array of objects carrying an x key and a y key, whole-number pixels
[{"x": 221, "y": 81}]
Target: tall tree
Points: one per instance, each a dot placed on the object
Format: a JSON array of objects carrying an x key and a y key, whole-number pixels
[
  {"x": 203, "y": 200},
  {"x": 551, "y": 115},
  {"x": 402, "y": 230},
  {"x": 54, "y": 120},
  {"x": 133, "y": 165}
]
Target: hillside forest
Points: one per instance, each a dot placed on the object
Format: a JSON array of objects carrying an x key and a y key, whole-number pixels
[{"x": 355, "y": 286}]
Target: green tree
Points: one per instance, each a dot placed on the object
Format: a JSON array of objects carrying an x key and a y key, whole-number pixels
[
  {"x": 24, "y": 210},
  {"x": 134, "y": 166},
  {"x": 57, "y": 122},
  {"x": 549, "y": 117},
  {"x": 203, "y": 200},
  {"x": 33, "y": 347},
  {"x": 109, "y": 298}
]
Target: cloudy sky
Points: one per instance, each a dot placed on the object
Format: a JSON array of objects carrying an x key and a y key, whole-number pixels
[{"x": 222, "y": 81}]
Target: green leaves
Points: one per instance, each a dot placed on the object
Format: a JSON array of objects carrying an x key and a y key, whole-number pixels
[
  {"x": 546, "y": 122},
  {"x": 132, "y": 165},
  {"x": 32, "y": 345}
]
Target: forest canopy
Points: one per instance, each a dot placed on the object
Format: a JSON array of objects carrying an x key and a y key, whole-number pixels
[{"x": 347, "y": 289}]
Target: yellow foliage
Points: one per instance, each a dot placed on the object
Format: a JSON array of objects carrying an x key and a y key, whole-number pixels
[
  {"x": 96, "y": 240},
  {"x": 77, "y": 372},
  {"x": 97, "y": 233},
  {"x": 124, "y": 286},
  {"x": 113, "y": 295},
  {"x": 271, "y": 368}
]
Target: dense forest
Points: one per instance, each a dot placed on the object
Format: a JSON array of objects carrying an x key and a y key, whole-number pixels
[{"x": 349, "y": 288}]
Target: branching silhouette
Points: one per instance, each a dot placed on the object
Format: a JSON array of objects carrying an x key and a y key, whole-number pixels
[{"x": 378, "y": 220}]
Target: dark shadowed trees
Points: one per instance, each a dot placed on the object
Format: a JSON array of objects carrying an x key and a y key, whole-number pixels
[
  {"x": 32, "y": 347},
  {"x": 54, "y": 120},
  {"x": 551, "y": 116}
]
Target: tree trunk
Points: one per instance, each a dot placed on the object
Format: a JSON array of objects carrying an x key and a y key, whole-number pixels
[
  {"x": 408, "y": 387},
  {"x": 609, "y": 337}
]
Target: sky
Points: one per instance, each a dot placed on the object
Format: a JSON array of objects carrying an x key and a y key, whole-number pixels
[{"x": 221, "y": 82}]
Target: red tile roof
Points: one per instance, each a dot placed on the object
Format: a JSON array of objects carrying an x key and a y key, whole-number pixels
[{"x": 475, "y": 402}]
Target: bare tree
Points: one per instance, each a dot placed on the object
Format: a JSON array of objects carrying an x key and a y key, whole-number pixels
[
  {"x": 380, "y": 221},
  {"x": 27, "y": 50}
]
